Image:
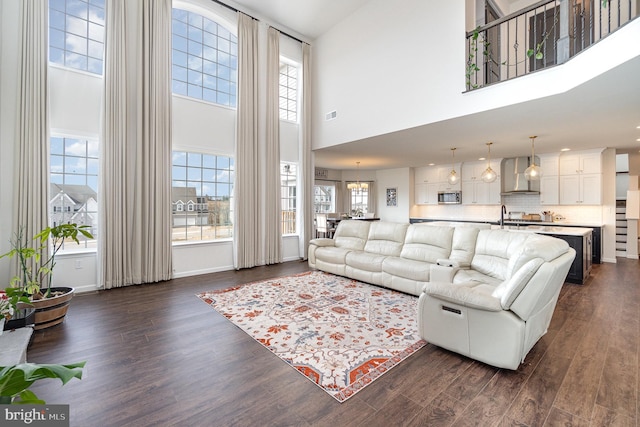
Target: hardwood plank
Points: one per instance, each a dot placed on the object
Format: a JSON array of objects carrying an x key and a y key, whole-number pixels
[{"x": 157, "y": 355}]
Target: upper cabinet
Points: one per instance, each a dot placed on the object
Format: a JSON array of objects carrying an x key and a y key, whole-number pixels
[
  {"x": 474, "y": 190},
  {"x": 549, "y": 182},
  {"x": 581, "y": 178},
  {"x": 428, "y": 180}
]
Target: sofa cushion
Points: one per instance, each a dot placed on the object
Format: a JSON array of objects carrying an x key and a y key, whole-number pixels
[
  {"x": 427, "y": 243},
  {"x": 407, "y": 268},
  {"x": 509, "y": 290},
  {"x": 385, "y": 238},
  {"x": 463, "y": 245},
  {"x": 365, "y": 261},
  {"x": 536, "y": 246},
  {"x": 331, "y": 254},
  {"x": 493, "y": 250},
  {"x": 351, "y": 234}
]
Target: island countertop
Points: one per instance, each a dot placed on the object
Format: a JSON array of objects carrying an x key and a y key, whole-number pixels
[
  {"x": 548, "y": 229},
  {"x": 562, "y": 223}
]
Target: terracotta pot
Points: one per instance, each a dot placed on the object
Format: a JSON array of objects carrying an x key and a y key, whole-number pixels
[{"x": 51, "y": 311}]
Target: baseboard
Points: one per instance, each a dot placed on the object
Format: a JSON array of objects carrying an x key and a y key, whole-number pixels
[
  {"x": 611, "y": 260},
  {"x": 202, "y": 271},
  {"x": 86, "y": 288}
]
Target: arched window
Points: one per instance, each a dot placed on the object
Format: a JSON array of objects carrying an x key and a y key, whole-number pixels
[{"x": 205, "y": 59}]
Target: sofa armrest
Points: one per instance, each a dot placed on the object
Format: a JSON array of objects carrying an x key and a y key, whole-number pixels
[
  {"x": 462, "y": 295},
  {"x": 322, "y": 241},
  {"x": 443, "y": 271}
]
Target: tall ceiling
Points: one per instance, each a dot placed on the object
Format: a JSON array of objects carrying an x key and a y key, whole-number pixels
[{"x": 603, "y": 112}]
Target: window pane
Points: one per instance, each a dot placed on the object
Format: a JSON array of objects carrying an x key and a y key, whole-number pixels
[
  {"x": 201, "y": 38},
  {"x": 201, "y": 205},
  {"x": 76, "y": 30},
  {"x": 74, "y": 184}
]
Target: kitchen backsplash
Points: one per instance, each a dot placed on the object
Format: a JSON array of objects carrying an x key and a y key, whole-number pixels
[{"x": 529, "y": 204}]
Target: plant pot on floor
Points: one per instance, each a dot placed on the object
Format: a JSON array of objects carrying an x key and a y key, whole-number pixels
[{"x": 51, "y": 311}]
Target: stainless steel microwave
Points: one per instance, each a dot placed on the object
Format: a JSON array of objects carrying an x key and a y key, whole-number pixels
[{"x": 449, "y": 197}]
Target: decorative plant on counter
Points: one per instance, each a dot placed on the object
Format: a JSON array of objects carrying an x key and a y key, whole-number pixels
[
  {"x": 33, "y": 280},
  {"x": 15, "y": 380}
]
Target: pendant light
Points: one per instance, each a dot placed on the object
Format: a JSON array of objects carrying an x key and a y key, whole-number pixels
[
  {"x": 489, "y": 175},
  {"x": 533, "y": 172},
  {"x": 453, "y": 177},
  {"x": 358, "y": 185}
]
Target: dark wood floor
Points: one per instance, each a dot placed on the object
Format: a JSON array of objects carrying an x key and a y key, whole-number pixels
[{"x": 158, "y": 356}]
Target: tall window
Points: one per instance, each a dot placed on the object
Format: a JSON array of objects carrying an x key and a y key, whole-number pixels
[
  {"x": 201, "y": 196},
  {"x": 359, "y": 201},
  {"x": 205, "y": 59},
  {"x": 288, "y": 92},
  {"x": 76, "y": 34},
  {"x": 74, "y": 184},
  {"x": 324, "y": 198},
  {"x": 288, "y": 193}
]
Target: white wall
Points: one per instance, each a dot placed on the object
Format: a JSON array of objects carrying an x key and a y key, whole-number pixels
[
  {"x": 387, "y": 68},
  {"x": 400, "y": 180}
]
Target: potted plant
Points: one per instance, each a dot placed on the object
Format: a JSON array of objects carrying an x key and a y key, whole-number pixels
[
  {"x": 15, "y": 380},
  {"x": 36, "y": 273}
]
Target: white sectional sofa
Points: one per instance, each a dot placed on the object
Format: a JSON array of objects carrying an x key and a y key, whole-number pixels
[{"x": 487, "y": 294}]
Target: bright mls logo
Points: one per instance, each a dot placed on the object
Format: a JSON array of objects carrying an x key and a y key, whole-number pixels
[{"x": 35, "y": 415}]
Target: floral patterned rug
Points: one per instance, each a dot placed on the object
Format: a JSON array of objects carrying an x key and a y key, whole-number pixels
[{"x": 340, "y": 333}]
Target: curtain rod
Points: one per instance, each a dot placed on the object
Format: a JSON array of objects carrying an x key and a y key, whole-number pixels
[{"x": 236, "y": 10}]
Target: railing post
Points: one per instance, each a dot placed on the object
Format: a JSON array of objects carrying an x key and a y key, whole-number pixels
[{"x": 562, "y": 52}]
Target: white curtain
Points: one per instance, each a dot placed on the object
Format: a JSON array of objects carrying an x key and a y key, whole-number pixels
[
  {"x": 246, "y": 229},
  {"x": 307, "y": 173},
  {"x": 31, "y": 200},
  {"x": 135, "y": 207},
  {"x": 273, "y": 208}
]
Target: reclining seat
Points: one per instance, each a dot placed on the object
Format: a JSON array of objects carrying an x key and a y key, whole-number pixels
[
  {"x": 495, "y": 310},
  {"x": 385, "y": 240},
  {"x": 330, "y": 254},
  {"x": 423, "y": 246}
]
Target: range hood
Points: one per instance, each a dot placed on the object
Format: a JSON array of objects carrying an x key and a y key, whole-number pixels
[{"x": 513, "y": 180}]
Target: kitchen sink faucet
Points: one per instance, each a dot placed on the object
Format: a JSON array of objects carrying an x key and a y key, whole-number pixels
[{"x": 503, "y": 210}]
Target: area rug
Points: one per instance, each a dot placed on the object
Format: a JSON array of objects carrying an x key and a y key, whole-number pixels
[{"x": 340, "y": 333}]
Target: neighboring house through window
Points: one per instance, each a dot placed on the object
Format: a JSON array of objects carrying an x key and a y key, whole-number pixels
[
  {"x": 204, "y": 183},
  {"x": 288, "y": 195},
  {"x": 74, "y": 184}
]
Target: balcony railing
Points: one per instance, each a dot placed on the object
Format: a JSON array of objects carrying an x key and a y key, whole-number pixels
[{"x": 540, "y": 36}]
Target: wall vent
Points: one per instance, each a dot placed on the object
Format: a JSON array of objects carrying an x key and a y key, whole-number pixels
[{"x": 331, "y": 115}]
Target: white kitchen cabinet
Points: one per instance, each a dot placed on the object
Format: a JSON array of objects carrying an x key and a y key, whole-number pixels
[
  {"x": 583, "y": 162},
  {"x": 549, "y": 182},
  {"x": 581, "y": 178},
  {"x": 474, "y": 190},
  {"x": 429, "y": 180},
  {"x": 581, "y": 189},
  {"x": 549, "y": 189},
  {"x": 426, "y": 193}
]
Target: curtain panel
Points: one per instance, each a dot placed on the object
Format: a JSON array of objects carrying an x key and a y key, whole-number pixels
[
  {"x": 135, "y": 209},
  {"x": 306, "y": 170},
  {"x": 246, "y": 228},
  {"x": 31, "y": 194},
  {"x": 273, "y": 209}
]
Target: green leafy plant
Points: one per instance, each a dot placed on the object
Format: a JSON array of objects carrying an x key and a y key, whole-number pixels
[
  {"x": 38, "y": 275},
  {"x": 9, "y": 299},
  {"x": 15, "y": 380}
]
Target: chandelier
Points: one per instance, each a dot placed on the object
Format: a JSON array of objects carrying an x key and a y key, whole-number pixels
[{"x": 358, "y": 185}]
